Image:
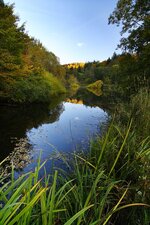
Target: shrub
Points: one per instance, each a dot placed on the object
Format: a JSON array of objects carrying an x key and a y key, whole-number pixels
[{"x": 31, "y": 88}]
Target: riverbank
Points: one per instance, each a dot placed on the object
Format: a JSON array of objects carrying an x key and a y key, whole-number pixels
[
  {"x": 29, "y": 88},
  {"x": 109, "y": 185}
]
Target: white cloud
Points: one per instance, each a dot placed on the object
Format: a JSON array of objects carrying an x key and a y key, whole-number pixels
[
  {"x": 76, "y": 118},
  {"x": 80, "y": 44}
]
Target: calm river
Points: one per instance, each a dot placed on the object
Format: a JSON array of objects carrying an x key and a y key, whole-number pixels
[{"x": 52, "y": 130}]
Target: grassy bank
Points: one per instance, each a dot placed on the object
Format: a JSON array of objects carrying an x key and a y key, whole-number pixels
[
  {"x": 96, "y": 87},
  {"x": 29, "y": 88},
  {"x": 109, "y": 185}
]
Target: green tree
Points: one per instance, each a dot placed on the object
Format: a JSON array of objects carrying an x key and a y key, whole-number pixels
[
  {"x": 11, "y": 39},
  {"x": 134, "y": 16}
]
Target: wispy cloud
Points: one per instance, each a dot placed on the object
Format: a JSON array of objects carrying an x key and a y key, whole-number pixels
[{"x": 80, "y": 44}]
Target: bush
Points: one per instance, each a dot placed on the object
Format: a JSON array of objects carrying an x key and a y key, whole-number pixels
[
  {"x": 28, "y": 89},
  {"x": 96, "y": 87}
]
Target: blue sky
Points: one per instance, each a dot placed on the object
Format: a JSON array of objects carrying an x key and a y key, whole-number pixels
[{"x": 74, "y": 30}]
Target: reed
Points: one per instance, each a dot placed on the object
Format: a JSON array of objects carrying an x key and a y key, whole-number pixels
[{"x": 108, "y": 185}]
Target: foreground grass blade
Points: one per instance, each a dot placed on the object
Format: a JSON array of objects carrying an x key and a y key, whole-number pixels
[
  {"x": 52, "y": 202},
  {"x": 84, "y": 160},
  {"x": 115, "y": 207},
  {"x": 121, "y": 148},
  {"x": 25, "y": 210},
  {"x": 81, "y": 212},
  {"x": 104, "y": 145},
  {"x": 44, "y": 209}
]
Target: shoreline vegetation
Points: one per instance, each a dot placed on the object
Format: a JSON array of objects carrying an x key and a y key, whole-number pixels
[
  {"x": 30, "y": 89},
  {"x": 111, "y": 183},
  {"x": 96, "y": 87},
  {"x": 108, "y": 185}
]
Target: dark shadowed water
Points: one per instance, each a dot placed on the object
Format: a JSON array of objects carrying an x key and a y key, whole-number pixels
[{"x": 60, "y": 127}]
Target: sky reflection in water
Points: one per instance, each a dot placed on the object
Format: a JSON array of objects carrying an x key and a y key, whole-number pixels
[
  {"x": 76, "y": 124},
  {"x": 63, "y": 127}
]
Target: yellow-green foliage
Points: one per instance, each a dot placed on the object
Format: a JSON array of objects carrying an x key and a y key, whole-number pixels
[
  {"x": 73, "y": 82},
  {"x": 27, "y": 89},
  {"x": 95, "y": 87},
  {"x": 26, "y": 66},
  {"x": 75, "y": 65}
]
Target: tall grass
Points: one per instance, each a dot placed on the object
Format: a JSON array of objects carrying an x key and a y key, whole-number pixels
[
  {"x": 115, "y": 178},
  {"x": 140, "y": 108},
  {"x": 109, "y": 185}
]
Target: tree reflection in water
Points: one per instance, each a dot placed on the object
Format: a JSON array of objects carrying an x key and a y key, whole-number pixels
[
  {"x": 27, "y": 129},
  {"x": 16, "y": 121}
]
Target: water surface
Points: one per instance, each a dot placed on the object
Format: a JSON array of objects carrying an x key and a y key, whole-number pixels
[{"x": 60, "y": 127}]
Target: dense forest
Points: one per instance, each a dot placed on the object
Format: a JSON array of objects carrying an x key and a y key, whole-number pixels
[
  {"x": 124, "y": 74},
  {"x": 110, "y": 183},
  {"x": 129, "y": 71},
  {"x": 28, "y": 71}
]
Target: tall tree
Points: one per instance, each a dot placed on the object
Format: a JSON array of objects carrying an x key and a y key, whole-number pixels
[
  {"x": 1, "y": 2},
  {"x": 134, "y": 16},
  {"x": 11, "y": 39}
]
